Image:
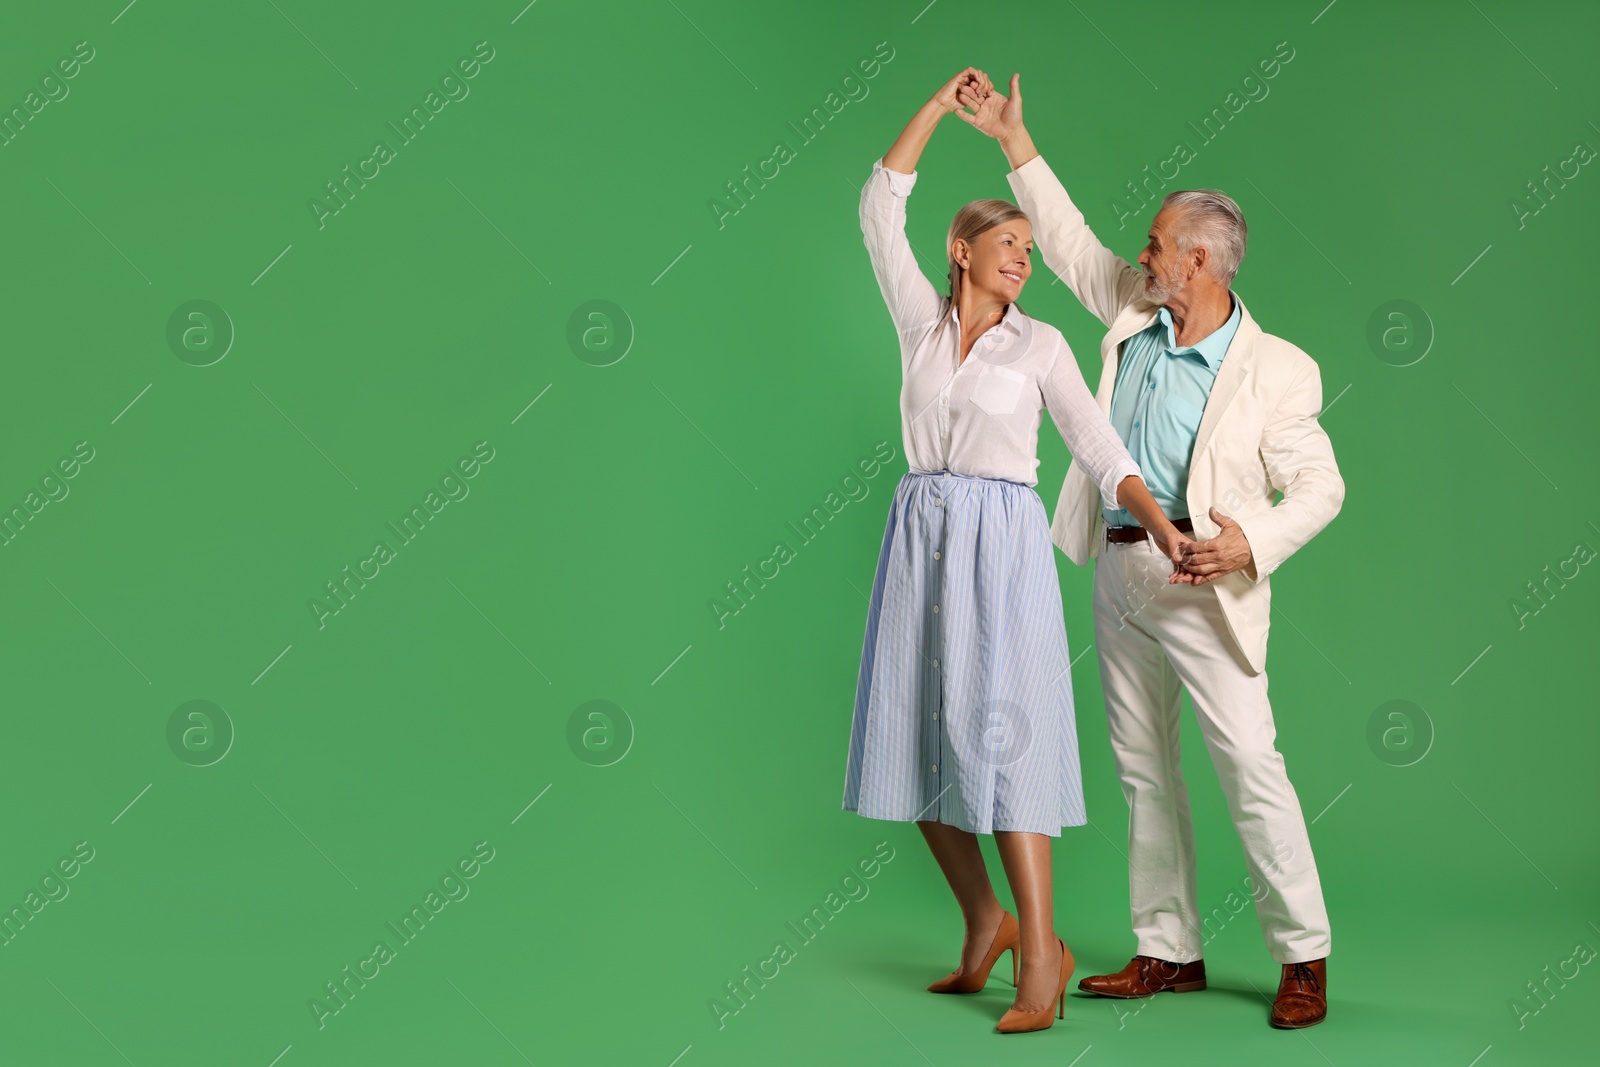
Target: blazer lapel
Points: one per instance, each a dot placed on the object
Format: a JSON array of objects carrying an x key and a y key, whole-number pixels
[{"x": 1235, "y": 363}]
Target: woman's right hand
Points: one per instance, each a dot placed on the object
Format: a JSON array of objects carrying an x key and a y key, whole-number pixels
[{"x": 971, "y": 84}]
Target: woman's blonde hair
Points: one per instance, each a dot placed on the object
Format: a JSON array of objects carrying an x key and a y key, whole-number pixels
[{"x": 974, "y": 219}]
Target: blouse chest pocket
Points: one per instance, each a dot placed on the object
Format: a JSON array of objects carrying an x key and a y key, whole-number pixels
[{"x": 998, "y": 389}]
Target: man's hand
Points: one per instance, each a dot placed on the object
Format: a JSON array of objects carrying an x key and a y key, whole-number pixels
[
  {"x": 993, "y": 112},
  {"x": 1206, "y": 561}
]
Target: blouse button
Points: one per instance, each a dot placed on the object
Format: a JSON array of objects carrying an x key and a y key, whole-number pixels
[
  {"x": 936, "y": 609},
  {"x": 936, "y": 555}
]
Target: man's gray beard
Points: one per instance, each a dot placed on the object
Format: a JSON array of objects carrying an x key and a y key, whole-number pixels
[{"x": 1160, "y": 294}]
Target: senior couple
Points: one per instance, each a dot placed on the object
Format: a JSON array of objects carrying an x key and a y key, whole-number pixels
[{"x": 963, "y": 716}]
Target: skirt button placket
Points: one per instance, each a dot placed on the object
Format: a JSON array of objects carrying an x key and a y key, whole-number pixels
[{"x": 935, "y": 650}]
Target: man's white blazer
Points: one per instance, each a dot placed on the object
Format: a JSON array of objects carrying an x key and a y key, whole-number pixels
[{"x": 1259, "y": 434}]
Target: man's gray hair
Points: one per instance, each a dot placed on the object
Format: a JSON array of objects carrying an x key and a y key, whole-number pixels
[{"x": 1210, "y": 219}]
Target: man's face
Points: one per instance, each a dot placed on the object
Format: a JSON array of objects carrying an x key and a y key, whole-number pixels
[{"x": 1165, "y": 276}]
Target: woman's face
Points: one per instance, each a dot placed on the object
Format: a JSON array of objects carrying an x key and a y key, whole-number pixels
[{"x": 999, "y": 260}]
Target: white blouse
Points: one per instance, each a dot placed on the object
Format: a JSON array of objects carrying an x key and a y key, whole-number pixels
[{"x": 979, "y": 416}]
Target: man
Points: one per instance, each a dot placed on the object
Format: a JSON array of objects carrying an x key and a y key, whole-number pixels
[{"x": 1221, "y": 417}]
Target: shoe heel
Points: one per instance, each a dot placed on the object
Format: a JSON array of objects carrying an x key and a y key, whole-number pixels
[
  {"x": 1188, "y": 987},
  {"x": 1004, "y": 938},
  {"x": 1068, "y": 965}
]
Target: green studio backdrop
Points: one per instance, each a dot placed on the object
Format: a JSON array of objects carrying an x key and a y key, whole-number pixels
[{"x": 493, "y": 287}]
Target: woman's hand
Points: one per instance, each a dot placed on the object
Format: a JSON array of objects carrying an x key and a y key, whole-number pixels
[
  {"x": 907, "y": 149},
  {"x": 1134, "y": 495},
  {"x": 971, "y": 83},
  {"x": 1169, "y": 541},
  {"x": 993, "y": 112}
]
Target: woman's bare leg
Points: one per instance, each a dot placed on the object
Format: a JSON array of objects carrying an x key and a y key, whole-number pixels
[
  {"x": 1026, "y": 857},
  {"x": 961, "y": 860}
]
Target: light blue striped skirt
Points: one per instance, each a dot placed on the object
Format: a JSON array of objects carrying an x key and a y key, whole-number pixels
[{"x": 964, "y": 701}]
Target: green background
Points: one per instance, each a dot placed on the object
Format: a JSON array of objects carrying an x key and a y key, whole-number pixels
[{"x": 757, "y": 368}]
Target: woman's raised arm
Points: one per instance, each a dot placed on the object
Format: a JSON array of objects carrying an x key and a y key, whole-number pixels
[
  {"x": 912, "y": 300},
  {"x": 907, "y": 148}
]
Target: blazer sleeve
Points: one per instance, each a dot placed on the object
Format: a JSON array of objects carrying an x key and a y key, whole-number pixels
[
  {"x": 911, "y": 297},
  {"x": 1103, "y": 281},
  {"x": 1298, "y": 457},
  {"x": 1089, "y": 435}
]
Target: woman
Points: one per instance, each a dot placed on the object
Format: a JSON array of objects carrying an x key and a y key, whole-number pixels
[{"x": 963, "y": 716}]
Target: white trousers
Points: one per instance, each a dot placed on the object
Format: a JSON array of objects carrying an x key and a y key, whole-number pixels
[{"x": 1153, "y": 637}]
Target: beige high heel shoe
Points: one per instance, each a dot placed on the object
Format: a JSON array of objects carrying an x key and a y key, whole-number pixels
[
  {"x": 1004, "y": 938},
  {"x": 1022, "y": 1022}
]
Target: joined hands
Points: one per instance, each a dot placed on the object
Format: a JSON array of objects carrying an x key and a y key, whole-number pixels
[{"x": 973, "y": 97}]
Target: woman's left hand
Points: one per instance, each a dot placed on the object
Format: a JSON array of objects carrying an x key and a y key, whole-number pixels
[
  {"x": 1170, "y": 542},
  {"x": 974, "y": 80}
]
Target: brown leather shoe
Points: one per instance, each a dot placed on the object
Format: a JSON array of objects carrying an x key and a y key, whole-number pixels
[
  {"x": 1302, "y": 995},
  {"x": 1145, "y": 975}
]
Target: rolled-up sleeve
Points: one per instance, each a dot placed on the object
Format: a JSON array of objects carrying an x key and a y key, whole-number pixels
[
  {"x": 910, "y": 297},
  {"x": 1089, "y": 435}
]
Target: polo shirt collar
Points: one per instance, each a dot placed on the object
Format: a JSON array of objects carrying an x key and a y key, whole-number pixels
[{"x": 1213, "y": 346}]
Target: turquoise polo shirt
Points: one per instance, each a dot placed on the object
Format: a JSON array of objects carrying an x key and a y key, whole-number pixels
[{"x": 1156, "y": 404}]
